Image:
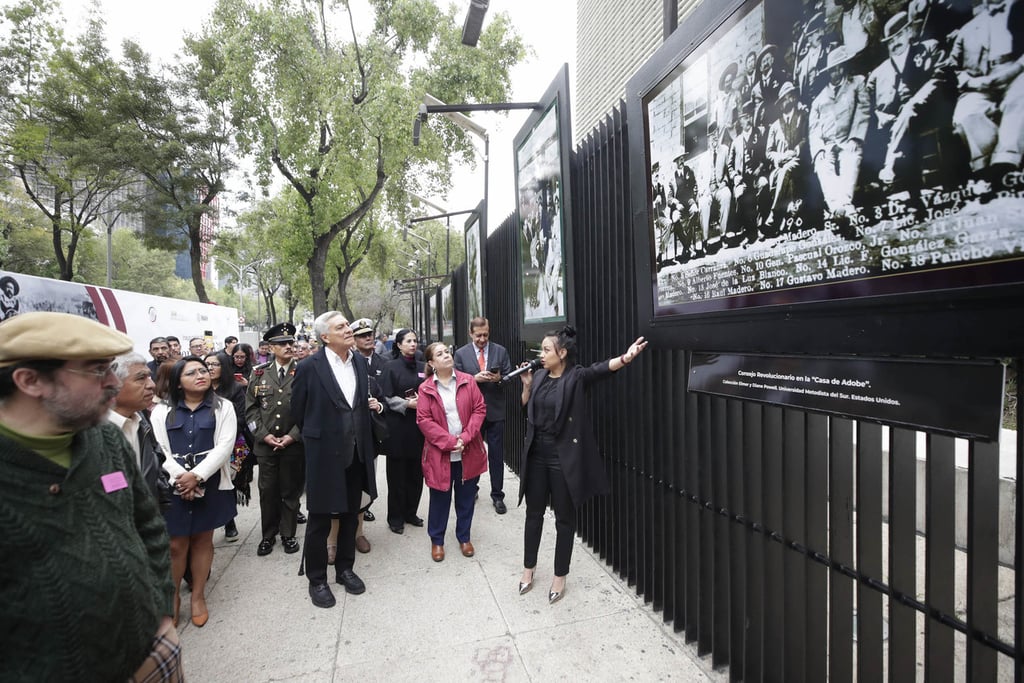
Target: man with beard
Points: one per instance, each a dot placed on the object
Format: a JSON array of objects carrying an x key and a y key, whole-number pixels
[
  {"x": 71, "y": 487},
  {"x": 160, "y": 350}
]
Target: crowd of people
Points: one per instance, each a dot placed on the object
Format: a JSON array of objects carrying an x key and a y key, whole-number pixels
[
  {"x": 868, "y": 100},
  {"x": 149, "y": 459}
]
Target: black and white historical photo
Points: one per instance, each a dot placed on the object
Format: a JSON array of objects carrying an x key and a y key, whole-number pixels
[
  {"x": 825, "y": 149},
  {"x": 539, "y": 191},
  {"x": 474, "y": 268}
]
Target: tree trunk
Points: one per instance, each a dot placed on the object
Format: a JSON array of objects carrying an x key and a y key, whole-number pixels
[{"x": 316, "y": 265}]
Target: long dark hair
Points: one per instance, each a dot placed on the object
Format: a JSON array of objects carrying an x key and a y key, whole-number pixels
[
  {"x": 399, "y": 336},
  {"x": 175, "y": 394},
  {"x": 246, "y": 369},
  {"x": 565, "y": 338},
  {"x": 226, "y": 384}
]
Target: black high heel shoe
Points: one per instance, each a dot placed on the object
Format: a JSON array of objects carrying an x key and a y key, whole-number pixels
[{"x": 524, "y": 588}]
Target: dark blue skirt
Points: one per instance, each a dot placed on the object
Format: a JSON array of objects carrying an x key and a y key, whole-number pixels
[{"x": 215, "y": 509}]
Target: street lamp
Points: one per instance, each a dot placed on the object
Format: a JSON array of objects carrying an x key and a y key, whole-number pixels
[
  {"x": 241, "y": 271},
  {"x": 455, "y": 114}
]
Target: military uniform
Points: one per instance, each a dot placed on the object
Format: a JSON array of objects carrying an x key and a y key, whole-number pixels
[{"x": 281, "y": 469}]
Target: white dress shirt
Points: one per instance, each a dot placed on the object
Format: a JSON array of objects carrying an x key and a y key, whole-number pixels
[{"x": 345, "y": 374}]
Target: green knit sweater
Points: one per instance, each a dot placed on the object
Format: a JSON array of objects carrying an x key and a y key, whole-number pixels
[{"x": 84, "y": 572}]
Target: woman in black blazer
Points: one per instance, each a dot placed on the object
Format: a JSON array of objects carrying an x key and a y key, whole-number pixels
[
  {"x": 561, "y": 459},
  {"x": 399, "y": 383}
]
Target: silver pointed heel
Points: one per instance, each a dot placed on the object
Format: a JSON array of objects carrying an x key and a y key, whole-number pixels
[
  {"x": 554, "y": 596},
  {"x": 524, "y": 588}
]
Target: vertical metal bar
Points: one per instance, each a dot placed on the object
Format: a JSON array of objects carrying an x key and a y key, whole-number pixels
[
  {"x": 734, "y": 434},
  {"x": 869, "y": 551},
  {"x": 670, "y": 19},
  {"x": 774, "y": 614},
  {"x": 902, "y": 553},
  {"x": 682, "y": 540},
  {"x": 707, "y": 529},
  {"x": 693, "y": 539},
  {"x": 982, "y": 558},
  {"x": 1018, "y": 534},
  {"x": 939, "y": 576},
  {"x": 753, "y": 638},
  {"x": 840, "y": 514},
  {"x": 793, "y": 524},
  {"x": 719, "y": 499},
  {"x": 817, "y": 540}
]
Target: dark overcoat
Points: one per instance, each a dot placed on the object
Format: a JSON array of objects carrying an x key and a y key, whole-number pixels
[
  {"x": 332, "y": 431},
  {"x": 578, "y": 455}
]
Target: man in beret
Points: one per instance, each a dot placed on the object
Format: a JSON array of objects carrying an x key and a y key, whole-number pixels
[
  {"x": 71, "y": 487},
  {"x": 278, "y": 444}
]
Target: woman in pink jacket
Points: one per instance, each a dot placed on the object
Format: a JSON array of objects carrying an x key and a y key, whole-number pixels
[{"x": 450, "y": 412}]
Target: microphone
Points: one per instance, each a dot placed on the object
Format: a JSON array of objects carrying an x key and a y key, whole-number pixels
[{"x": 535, "y": 364}]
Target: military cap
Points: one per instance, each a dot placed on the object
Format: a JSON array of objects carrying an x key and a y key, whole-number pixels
[
  {"x": 362, "y": 326},
  {"x": 280, "y": 333},
  {"x": 41, "y": 335}
]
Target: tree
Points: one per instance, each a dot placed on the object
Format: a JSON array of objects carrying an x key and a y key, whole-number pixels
[
  {"x": 180, "y": 143},
  {"x": 58, "y": 136},
  {"x": 333, "y": 116}
]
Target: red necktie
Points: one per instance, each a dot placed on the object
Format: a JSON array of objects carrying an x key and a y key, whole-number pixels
[{"x": 483, "y": 361}]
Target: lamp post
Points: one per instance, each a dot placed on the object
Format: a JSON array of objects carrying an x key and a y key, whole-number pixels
[
  {"x": 455, "y": 113},
  {"x": 241, "y": 271}
]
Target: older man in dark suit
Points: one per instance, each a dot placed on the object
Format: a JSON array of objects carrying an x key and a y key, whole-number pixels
[
  {"x": 487, "y": 362},
  {"x": 331, "y": 404}
]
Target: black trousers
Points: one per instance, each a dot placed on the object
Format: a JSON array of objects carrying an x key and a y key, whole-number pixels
[
  {"x": 405, "y": 488},
  {"x": 318, "y": 525},
  {"x": 545, "y": 482},
  {"x": 280, "y": 480}
]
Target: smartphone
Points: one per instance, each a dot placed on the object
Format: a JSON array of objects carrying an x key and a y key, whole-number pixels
[
  {"x": 239, "y": 377},
  {"x": 496, "y": 370},
  {"x": 410, "y": 393}
]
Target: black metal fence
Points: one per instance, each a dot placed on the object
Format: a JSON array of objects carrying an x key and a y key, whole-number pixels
[{"x": 787, "y": 545}]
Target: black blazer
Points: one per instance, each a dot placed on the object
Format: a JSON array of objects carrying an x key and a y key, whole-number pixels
[
  {"x": 578, "y": 454},
  {"x": 494, "y": 393},
  {"x": 333, "y": 432}
]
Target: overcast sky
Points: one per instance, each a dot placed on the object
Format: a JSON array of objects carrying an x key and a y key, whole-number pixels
[{"x": 548, "y": 26}]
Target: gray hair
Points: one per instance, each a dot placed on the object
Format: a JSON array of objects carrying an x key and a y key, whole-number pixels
[
  {"x": 123, "y": 363},
  {"x": 320, "y": 326}
]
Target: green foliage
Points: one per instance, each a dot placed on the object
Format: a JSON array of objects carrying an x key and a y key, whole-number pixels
[{"x": 330, "y": 110}]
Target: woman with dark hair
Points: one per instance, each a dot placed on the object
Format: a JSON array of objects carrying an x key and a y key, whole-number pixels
[
  {"x": 450, "y": 413},
  {"x": 196, "y": 428},
  {"x": 561, "y": 460},
  {"x": 399, "y": 382},
  {"x": 224, "y": 384},
  {"x": 242, "y": 360}
]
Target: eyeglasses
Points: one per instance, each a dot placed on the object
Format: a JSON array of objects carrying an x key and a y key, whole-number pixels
[
  {"x": 98, "y": 372},
  {"x": 196, "y": 371},
  {"x": 212, "y": 364},
  {"x": 284, "y": 343}
]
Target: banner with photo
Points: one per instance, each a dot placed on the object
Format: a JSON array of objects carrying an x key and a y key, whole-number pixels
[
  {"x": 811, "y": 151},
  {"x": 544, "y": 210},
  {"x": 476, "y": 240}
]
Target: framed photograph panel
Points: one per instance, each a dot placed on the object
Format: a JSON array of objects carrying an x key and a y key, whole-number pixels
[
  {"x": 543, "y": 208},
  {"x": 476, "y": 240},
  {"x": 816, "y": 158},
  {"x": 447, "y": 315}
]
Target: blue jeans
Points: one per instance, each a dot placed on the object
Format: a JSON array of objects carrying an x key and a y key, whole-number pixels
[{"x": 441, "y": 503}]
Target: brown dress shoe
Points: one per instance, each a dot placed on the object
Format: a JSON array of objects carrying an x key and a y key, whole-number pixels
[
  {"x": 437, "y": 552},
  {"x": 467, "y": 549},
  {"x": 362, "y": 545}
]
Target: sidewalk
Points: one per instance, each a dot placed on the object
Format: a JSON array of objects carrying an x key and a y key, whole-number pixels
[{"x": 457, "y": 620}]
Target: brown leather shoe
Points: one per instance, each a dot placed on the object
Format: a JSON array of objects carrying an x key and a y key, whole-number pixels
[
  {"x": 467, "y": 549},
  {"x": 437, "y": 552},
  {"x": 362, "y": 545}
]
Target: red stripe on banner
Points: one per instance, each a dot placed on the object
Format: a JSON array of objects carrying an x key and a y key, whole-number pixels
[
  {"x": 115, "y": 309},
  {"x": 97, "y": 303}
]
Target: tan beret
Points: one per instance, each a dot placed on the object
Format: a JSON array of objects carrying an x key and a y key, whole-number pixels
[{"x": 58, "y": 336}]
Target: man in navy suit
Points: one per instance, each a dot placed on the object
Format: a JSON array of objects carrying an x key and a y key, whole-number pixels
[
  {"x": 331, "y": 404},
  {"x": 479, "y": 358}
]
